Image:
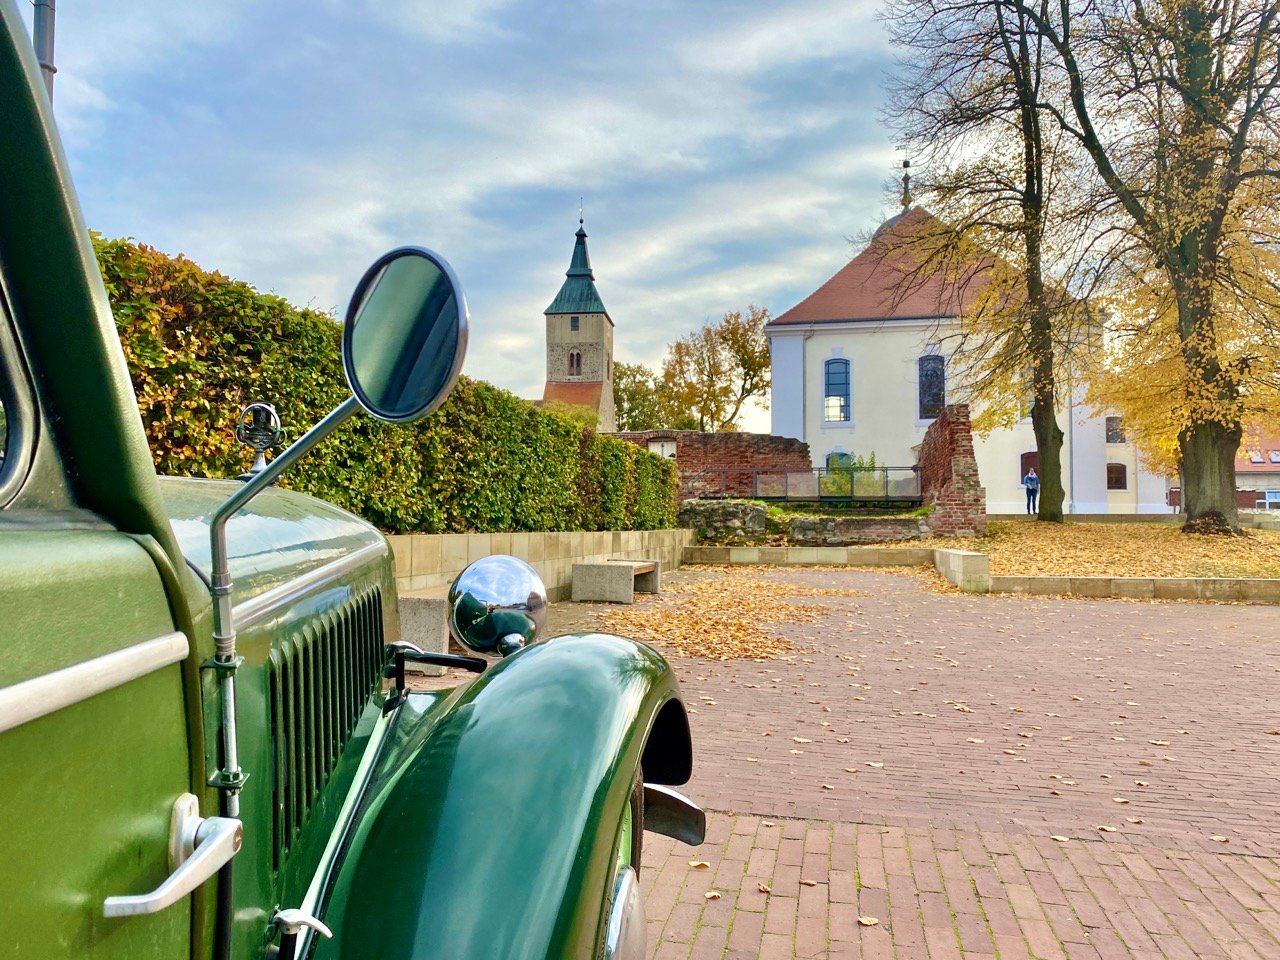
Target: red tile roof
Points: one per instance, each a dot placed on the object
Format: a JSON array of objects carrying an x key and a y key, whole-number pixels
[
  {"x": 879, "y": 283},
  {"x": 582, "y": 393},
  {"x": 1259, "y": 444}
]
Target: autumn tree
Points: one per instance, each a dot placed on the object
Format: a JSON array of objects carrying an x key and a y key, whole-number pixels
[
  {"x": 711, "y": 373},
  {"x": 640, "y": 401},
  {"x": 968, "y": 100},
  {"x": 1174, "y": 102},
  {"x": 1143, "y": 366}
]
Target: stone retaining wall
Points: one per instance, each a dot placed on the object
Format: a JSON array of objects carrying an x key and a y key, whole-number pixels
[
  {"x": 971, "y": 573},
  {"x": 426, "y": 564},
  {"x": 715, "y": 519},
  {"x": 1143, "y": 588},
  {"x": 806, "y": 556},
  {"x": 820, "y": 531}
]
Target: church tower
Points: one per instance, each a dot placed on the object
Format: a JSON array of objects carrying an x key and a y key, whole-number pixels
[{"x": 580, "y": 342}]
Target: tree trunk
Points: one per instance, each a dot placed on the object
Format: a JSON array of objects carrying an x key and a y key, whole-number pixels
[
  {"x": 1025, "y": 67},
  {"x": 1209, "y": 473},
  {"x": 1044, "y": 422},
  {"x": 1208, "y": 447}
]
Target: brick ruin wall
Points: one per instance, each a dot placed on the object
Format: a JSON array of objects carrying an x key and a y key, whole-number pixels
[
  {"x": 949, "y": 475},
  {"x": 725, "y": 464}
]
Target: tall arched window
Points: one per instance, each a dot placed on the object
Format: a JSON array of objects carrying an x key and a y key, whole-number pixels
[
  {"x": 575, "y": 363},
  {"x": 932, "y": 385},
  {"x": 835, "y": 407}
]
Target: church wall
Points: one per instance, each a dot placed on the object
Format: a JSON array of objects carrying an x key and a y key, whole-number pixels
[
  {"x": 1089, "y": 465},
  {"x": 1152, "y": 491},
  {"x": 999, "y": 456},
  {"x": 884, "y": 391},
  {"x": 787, "y": 387},
  {"x": 883, "y": 370}
]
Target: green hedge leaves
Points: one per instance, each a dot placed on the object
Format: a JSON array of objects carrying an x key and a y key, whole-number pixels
[{"x": 200, "y": 346}]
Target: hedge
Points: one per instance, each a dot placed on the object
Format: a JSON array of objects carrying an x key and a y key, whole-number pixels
[{"x": 200, "y": 346}]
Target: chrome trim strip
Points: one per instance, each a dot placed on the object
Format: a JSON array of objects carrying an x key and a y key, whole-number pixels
[
  {"x": 40, "y": 696},
  {"x": 626, "y": 934},
  {"x": 341, "y": 827},
  {"x": 250, "y": 610}
]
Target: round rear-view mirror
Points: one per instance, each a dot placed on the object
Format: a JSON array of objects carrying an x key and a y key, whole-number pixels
[{"x": 405, "y": 335}]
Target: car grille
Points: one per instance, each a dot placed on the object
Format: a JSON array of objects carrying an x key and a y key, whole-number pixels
[{"x": 319, "y": 680}]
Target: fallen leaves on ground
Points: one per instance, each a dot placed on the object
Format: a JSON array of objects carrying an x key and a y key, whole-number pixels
[
  {"x": 725, "y": 617},
  {"x": 1118, "y": 550},
  {"x": 868, "y": 921}
]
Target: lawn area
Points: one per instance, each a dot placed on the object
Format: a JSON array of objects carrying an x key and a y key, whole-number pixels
[{"x": 1119, "y": 550}]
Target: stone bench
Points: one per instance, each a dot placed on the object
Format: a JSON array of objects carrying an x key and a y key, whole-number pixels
[{"x": 615, "y": 581}]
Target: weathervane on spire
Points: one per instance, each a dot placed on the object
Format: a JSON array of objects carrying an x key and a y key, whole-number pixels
[
  {"x": 906, "y": 184},
  {"x": 579, "y": 211}
]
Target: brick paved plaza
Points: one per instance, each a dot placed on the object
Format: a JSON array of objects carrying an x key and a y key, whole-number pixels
[{"x": 941, "y": 765}]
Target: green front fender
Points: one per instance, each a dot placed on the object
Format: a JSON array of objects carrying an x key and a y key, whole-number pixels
[{"x": 490, "y": 829}]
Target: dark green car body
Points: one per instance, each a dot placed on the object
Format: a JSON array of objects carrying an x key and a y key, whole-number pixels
[{"x": 482, "y": 821}]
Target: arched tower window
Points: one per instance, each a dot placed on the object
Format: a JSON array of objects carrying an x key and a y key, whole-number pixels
[
  {"x": 575, "y": 363},
  {"x": 835, "y": 408}
]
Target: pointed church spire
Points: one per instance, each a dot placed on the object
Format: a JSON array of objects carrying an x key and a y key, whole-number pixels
[
  {"x": 578, "y": 292},
  {"x": 580, "y": 265}
]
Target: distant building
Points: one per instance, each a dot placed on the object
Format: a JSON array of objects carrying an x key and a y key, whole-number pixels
[
  {"x": 860, "y": 366},
  {"x": 580, "y": 342},
  {"x": 1258, "y": 471}
]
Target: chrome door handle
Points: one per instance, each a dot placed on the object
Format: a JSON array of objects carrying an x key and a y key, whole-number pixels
[{"x": 202, "y": 845}]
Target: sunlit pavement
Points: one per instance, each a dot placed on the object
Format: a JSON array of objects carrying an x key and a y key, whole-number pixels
[{"x": 943, "y": 767}]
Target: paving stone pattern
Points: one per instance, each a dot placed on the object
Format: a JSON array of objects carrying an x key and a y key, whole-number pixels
[{"x": 916, "y": 759}]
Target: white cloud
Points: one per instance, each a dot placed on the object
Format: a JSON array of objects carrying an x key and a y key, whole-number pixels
[
  {"x": 703, "y": 192},
  {"x": 789, "y": 34},
  {"x": 98, "y": 43},
  {"x": 443, "y": 20}
]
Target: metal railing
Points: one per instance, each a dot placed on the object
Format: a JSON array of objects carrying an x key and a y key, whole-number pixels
[{"x": 877, "y": 485}]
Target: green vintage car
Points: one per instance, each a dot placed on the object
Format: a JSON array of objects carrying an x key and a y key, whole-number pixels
[{"x": 208, "y": 745}]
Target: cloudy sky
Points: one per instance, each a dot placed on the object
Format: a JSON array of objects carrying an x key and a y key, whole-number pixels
[{"x": 725, "y": 149}]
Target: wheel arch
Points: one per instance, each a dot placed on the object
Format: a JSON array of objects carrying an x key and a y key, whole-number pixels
[
  {"x": 490, "y": 826},
  {"x": 668, "y": 751}
]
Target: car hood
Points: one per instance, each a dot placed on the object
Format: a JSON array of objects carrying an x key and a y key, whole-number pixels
[{"x": 276, "y": 537}]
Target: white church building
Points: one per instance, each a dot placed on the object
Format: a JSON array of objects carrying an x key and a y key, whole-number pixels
[{"x": 860, "y": 366}]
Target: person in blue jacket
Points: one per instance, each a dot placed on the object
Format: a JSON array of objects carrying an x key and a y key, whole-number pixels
[{"x": 1032, "y": 483}]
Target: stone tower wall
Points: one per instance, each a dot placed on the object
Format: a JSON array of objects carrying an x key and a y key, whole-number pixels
[{"x": 594, "y": 337}]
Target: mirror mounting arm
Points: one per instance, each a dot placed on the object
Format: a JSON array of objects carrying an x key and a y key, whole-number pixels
[
  {"x": 402, "y": 651},
  {"x": 224, "y": 629}
]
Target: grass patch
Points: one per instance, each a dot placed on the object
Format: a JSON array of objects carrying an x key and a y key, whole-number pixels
[
  {"x": 891, "y": 511},
  {"x": 1070, "y": 549},
  {"x": 785, "y": 511}
]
